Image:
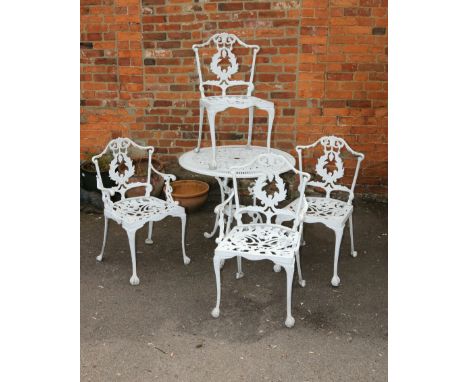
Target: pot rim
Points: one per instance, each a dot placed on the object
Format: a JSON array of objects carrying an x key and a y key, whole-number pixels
[{"x": 206, "y": 188}]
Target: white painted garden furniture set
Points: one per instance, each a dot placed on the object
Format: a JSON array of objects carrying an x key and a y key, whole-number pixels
[{"x": 263, "y": 236}]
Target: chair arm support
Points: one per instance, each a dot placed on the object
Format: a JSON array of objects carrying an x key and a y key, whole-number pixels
[
  {"x": 107, "y": 193},
  {"x": 165, "y": 176},
  {"x": 220, "y": 207},
  {"x": 167, "y": 184},
  {"x": 219, "y": 210}
]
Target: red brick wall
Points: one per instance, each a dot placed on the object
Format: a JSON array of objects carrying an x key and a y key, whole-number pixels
[{"x": 322, "y": 62}]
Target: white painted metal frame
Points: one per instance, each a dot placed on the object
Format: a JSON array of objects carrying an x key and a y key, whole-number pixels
[
  {"x": 228, "y": 156},
  {"x": 262, "y": 238},
  {"x": 327, "y": 210},
  {"x": 133, "y": 213},
  {"x": 224, "y": 43}
]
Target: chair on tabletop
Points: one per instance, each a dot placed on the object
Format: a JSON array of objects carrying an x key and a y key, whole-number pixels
[{"x": 224, "y": 65}]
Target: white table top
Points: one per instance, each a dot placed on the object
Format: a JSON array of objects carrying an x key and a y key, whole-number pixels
[{"x": 226, "y": 157}]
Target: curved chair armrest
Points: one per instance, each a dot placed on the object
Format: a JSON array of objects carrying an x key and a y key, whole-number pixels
[
  {"x": 107, "y": 193},
  {"x": 165, "y": 176},
  {"x": 219, "y": 210},
  {"x": 220, "y": 207},
  {"x": 168, "y": 178}
]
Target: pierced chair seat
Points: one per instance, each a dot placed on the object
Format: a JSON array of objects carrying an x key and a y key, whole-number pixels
[
  {"x": 221, "y": 103},
  {"x": 325, "y": 210},
  {"x": 142, "y": 209},
  {"x": 260, "y": 240}
]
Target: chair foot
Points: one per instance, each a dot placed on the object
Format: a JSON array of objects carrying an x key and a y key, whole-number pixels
[
  {"x": 215, "y": 313},
  {"x": 302, "y": 283},
  {"x": 213, "y": 165},
  {"x": 239, "y": 275},
  {"x": 354, "y": 253},
  {"x": 277, "y": 268},
  {"x": 303, "y": 242},
  {"x": 186, "y": 260},
  {"x": 197, "y": 150},
  {"x": 99, "y": 258},
  {"x": 335, "y": 281},
  {"x": 290, "y": 321},
  {"x": 134, "y": 280},
  {"x": 148, "y": 241}
]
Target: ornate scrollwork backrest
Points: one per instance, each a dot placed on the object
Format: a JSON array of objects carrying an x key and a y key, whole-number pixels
[
  {"x": 269, "y": 166},
  {"x": 122, "y": 168},
  {"x": 332, "y": 155},
  {"x": 224, "y": 43}
]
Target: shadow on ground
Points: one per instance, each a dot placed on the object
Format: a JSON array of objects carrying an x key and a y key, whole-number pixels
[{"x": 162, "y": 329}]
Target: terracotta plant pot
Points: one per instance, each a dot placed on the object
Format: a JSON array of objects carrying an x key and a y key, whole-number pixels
[
  {"x": 191, "y": 194},
  {"x": 141, "y": 171}
]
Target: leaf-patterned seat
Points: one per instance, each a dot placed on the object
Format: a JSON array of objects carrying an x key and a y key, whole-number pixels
[
  {"x": 323, "y": 209},
  {"x": 240, "y": 102},
  {"x": 143, "y": 209},
  {"x": 261, "y": 240}
]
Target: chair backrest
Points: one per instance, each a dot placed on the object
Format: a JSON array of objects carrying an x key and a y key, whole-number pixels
[
  {"x": 224, "y": 63},
  {"x": 332, "y": 156},
  {"x": 269, "y": 167},
  {"x": 122, "y": 167}
]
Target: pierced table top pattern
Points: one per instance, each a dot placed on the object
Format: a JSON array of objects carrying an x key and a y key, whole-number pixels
[{"x": 226, "y": 157}]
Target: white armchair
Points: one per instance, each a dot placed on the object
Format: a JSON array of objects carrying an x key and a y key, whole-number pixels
[
  {"x": 328, "y": 210},
  {"x": 133, "y": 213},
  {"x": 262, "y": 238}
]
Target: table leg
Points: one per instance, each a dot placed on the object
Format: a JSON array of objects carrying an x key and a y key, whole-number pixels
[{"x": 225, "y": 191}]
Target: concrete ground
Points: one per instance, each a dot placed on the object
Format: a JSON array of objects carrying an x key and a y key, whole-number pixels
[{"x": 162, "y": 330}]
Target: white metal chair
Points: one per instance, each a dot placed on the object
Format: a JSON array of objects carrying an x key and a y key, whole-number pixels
[
  {"x": 133, "y": 213},
  {"x": 224, "y": 65},
  {"x": 262, "y": 238},
  {"x": 332, "y": 212}
]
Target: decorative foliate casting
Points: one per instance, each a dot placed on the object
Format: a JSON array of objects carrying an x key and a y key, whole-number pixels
[
  {"x": 261, "y": 240},
  {"x": 327, "y": 210},
  {"x": 224, "y": 62},
  {"x": 133, "y": 213},
  {"x": 330, "y": 166}
]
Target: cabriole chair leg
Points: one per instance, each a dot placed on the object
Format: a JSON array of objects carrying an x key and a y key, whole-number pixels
[
  {"x": 217, "y": 269},
  {"x": 335, "y": 281},
  {"x": 134, "y": 280},
  {"x": 211, "y": 120},
  {"x": 183, "y": 218},
  {"x": 350, "y": 222},
  {"x": 289, "y": 279},
  {"x": 200, "y": 128},
  {"x": 302, "y": 282},
  {"x": 150, "y": 234},
  {"x": 106, "y": 224},
  {"x": 251, "y": 116},
  {"x": 239, "y": 273}
]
